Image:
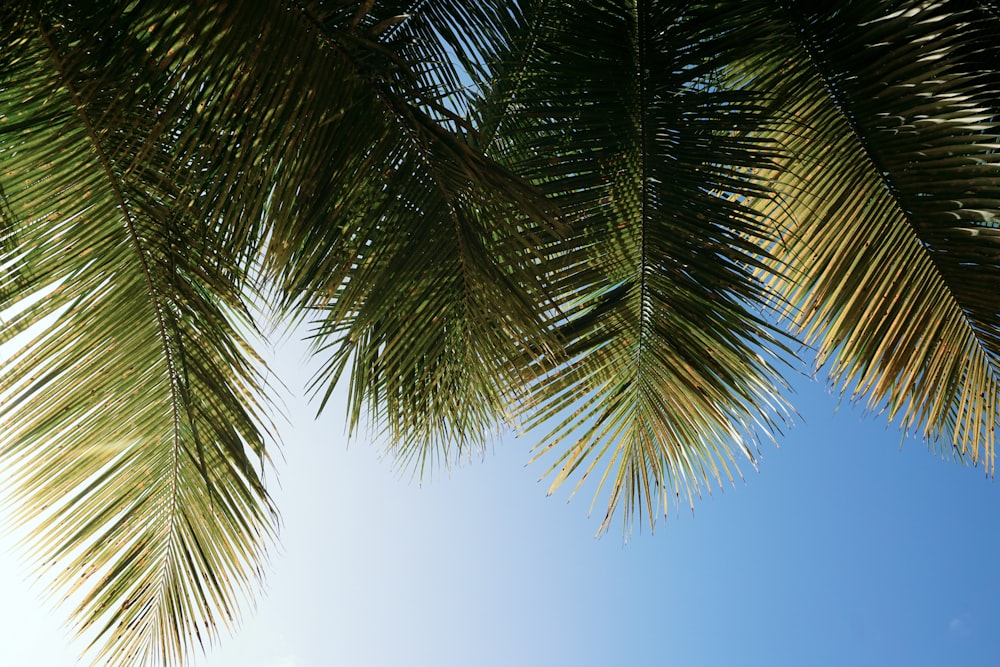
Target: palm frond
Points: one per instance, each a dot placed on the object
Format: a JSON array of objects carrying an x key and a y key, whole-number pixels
[
  {"x": 412, "y": 249},
  {"x": 449, "y": 45},
  {"x": 133, "y": 430},
  {"x": 887, "y": 207},
  {"x": 611, "y": 110}
]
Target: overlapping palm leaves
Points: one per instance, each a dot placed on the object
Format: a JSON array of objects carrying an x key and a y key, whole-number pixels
[{"x": 570, "y": 216}]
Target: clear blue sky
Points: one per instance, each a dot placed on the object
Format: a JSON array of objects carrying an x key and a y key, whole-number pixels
[{"x": 843, "y": 550}]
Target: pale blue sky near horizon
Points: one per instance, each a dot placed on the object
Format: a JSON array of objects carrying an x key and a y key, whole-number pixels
[{"x": 845, "y": 549}]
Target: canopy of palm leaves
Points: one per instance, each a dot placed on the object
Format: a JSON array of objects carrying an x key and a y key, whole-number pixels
[{"x": 593, "y": 219}]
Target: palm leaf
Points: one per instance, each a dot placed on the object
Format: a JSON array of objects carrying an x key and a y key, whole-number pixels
[
  {"x": 133, "y": 429},
  {"x": 887, "y": 207},
  {"x": 417, "y": 254},
  {"x": 611, "y": 109}
]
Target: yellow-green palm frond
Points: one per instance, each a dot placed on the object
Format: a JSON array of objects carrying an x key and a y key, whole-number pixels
[
  {"x": 887, "y": 212},
  {"x": 133, "y": 434}
]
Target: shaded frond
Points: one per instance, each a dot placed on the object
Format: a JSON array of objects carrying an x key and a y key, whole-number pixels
[
  {"x": 665, "y": 377},
  {"x": 415, "y": 252}
]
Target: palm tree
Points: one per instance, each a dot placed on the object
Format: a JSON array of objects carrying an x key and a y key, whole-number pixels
[{"x": 613, "y": 220}]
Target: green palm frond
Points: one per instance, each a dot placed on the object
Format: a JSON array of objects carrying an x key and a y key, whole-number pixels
[
  {"x": 133, "y": 430},
  {"x": 449, "y": 44},
  {"x": 417, "y": 254},
  {"x": 665, "y": 376},
  {"x": 888, "y": 204},
  {"x": 432, "y": 316}
]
